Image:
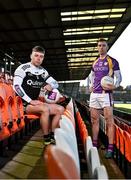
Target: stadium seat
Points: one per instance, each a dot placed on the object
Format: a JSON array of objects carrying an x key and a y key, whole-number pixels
[
  {"x": 121, "y": 140},
  {"x": 93, "y": 161},
  {"x": 65, "y": 142},
  {"x": 66, "y": 124},
  {"x": 88, "y": 146},
  {"x": 82, "y": 128},
  {"x": 20, "y": 111},
  {"x": 68, "y": 113},
  {"x": 60, "y": 165},
  {"x": 127, "y": 141},
  {"x": 4, "y": 131},
  {"x": 11, "y": 108},
  {"x": 100, "y": 173},
  {"x": 127, "y": 128},
  {"x": 13, "y": 116}
]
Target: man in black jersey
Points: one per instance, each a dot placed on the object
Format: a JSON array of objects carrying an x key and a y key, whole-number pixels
[{"x": 28, "y": 80}]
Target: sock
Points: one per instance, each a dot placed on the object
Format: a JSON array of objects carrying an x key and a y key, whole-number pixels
[
  {"x": 52, "y": 135},
  {"x": 95, "y": 143},
  {"x": 110, "y": 147}
]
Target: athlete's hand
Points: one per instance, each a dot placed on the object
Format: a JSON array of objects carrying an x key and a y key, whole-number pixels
[
  {"x": 35, "y": 102},
  {"x": 109, "y": 87},
  {"x": 91, "y": 89},
  {"x": 47, "y": 87}
]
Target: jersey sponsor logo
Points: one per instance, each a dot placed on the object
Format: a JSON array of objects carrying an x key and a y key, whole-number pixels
[
  {"x": 101, "y": 69},
  {"x": 34, "y": 83},
  {"x": 18, "y": 90},
  {"x": 25, "y": 67}
]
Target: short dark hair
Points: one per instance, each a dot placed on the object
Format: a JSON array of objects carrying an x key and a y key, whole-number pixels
[
  {"x": 38, "y": 49},
  {"x": 101, "y": 40}
]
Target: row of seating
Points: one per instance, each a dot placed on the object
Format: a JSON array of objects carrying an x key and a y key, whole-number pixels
[
  {"x": 122, "y": 124},
  {"x": 122, "y": 136},
  {"x": 11, "y": 112},
  {"x": 92, "y": 156},
  {"x": 63, "y": 156},
  {"x": 122, "y": 143},
  {"x": 14, "y": 124}
]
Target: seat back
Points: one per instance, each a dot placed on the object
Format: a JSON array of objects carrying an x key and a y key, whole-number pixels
[
  {"x": 127, "y": 141},
  {"x": 100, "y": 173},
  {"x": 66, "y": 143},
  {"x": 88, "y": 146},
  {"x": 60, "y": 165},
  {"x": 67, "y": 125},
  {"x": 93, "y": 161}
]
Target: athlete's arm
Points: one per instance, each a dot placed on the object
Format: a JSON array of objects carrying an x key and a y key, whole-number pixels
[
  {"x": 118, "y": 76},
  {"x": 91, "y": 80},
  {"x": 50, "y": 80},
  {"x": 17, "y": 82}
]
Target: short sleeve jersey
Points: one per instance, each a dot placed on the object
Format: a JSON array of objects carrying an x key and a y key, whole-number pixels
[
  {"x": 101, "y": 69},
  {"x": 33, "y": 79}
]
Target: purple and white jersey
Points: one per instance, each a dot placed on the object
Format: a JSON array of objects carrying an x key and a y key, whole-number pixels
[{"x": 101, "y": 69}]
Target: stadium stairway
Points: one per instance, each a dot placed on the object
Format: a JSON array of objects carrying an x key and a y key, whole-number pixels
[{"x": 25, "y": 159}]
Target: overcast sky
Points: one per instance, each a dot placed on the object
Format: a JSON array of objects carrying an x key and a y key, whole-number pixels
[{"x": 121, "y": 50}]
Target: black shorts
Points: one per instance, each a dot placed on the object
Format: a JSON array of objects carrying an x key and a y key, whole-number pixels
[
  {"x": 25, "y": 104},
  {"x": 64, "y": 102}
]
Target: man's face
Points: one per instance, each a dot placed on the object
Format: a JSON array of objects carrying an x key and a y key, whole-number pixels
[
  {"x": 102, "y": 47},
  {"x": 37, "y": 58}
]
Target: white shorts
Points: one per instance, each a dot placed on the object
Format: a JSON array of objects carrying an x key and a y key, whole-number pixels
[{"x": 100, "y": 100}]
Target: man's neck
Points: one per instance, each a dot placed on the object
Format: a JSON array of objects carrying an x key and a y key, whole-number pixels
[
  {"x": 102, "y": 56},
  {"x": 34, "y": 65}
]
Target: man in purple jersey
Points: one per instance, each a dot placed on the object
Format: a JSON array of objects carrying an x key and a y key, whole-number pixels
[{"x": 101, "y": 98}]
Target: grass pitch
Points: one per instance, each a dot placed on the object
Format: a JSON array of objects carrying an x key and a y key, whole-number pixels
[{"x": 123, "y": 107}]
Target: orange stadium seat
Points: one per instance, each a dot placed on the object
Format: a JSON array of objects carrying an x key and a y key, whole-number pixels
[
  {"x": 69, "y": 115},
  {"x": 11, "y": 108},
  {"x": 116, "y": 136},
  {"x": 127, "y": 128},
  {"x": 4, "y": 131},
  {"x": 82, "y": 128},
  {"x": 60, "y": 165},
  {"x": 127, "y": 140},
  {"x": 121, "y": 140},
  {"x": 20, "y": 111}
]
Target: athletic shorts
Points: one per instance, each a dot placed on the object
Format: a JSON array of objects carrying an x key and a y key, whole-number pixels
[{"x": 101, "y": 100}]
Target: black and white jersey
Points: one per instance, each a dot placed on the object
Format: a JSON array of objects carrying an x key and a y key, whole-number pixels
[{"x": 28, "y": 80}]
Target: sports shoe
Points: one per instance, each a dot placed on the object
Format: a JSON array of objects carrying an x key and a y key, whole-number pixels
[
  {"x": 52, "y": 138},
  {"x": 53, "y": 141},
  {"x": 109, "y": 154},
  {"x": 47, "y": 141}
]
